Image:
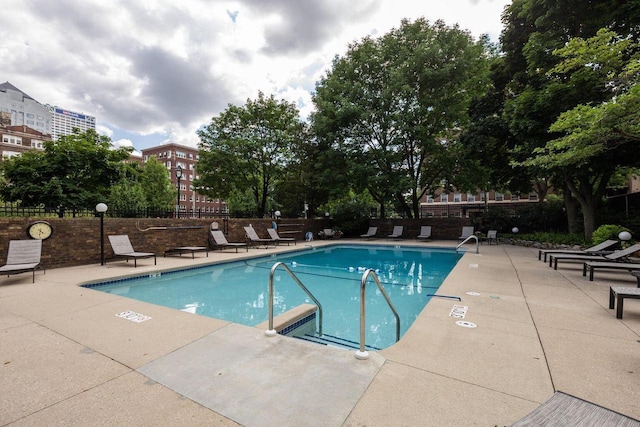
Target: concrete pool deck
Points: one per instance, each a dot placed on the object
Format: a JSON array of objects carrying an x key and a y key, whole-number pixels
[{"x": 67, "y": 359}]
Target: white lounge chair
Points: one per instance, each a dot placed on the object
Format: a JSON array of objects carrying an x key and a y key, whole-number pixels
[
  {"x": 23, "y": 256},
  {"x": 218, "y": 241},
  {"x": 425, "y": 232},
  {"x": 273, "y": 233},
  {"x": 370, "y": 233},
  {"x": 396, "y": 233},
  {"x": 466, "y": 232},
  {"x": 122, "y": 248}
]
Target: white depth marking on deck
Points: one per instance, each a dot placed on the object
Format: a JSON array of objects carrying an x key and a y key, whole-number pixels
[
  {"x": 473, "y": 265},
  {"x": 473, "y": 294},
  {"x": 133, "y": 316},
  {"x": 459, "y": 311}
]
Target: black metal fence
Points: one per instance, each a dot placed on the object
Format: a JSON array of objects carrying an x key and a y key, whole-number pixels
[{"x": 14, "y": 210}]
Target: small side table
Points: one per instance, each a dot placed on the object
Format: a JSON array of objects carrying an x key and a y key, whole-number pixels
[{"x": 620, "y": 293}]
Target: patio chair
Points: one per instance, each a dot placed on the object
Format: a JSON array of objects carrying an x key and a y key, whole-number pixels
[
  {"x": 370, "y": 233},
  {"x": 618, "y": 256},
  {"x": 425, "y": 232},
  {"x": 122, "y": 248},
  {"x": 218, "y": 241},
  {"x": 23, "y": 256},
  {"x": 492, "y": 236},
  {"x": 466, "y": 232},
  {"x": 273, "y": 233},
  {"x": 592, "y": 266},
  {"x": 397, "y": 232},
  {"x": 257, "y": 240},
  {"x": 597, "y": 249},
  {"x": 566, "y": 410},
  {"x": 328, "y": 233}
]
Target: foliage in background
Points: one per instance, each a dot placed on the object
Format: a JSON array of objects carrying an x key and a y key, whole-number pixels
[
  {"x": 607, "y": 232},
  {"x": 350, "y": 214},
  {"x": 554, "y": 238}
]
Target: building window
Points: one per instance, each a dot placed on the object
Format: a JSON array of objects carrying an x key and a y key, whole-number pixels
[
  {"x": 483, "y": 196},
  {"x": 457, "y": 197},
  {"x": 429, "y": 199},
  {"x": 499, "y": 197},
  {"x": 444, "y": 198},
  {"x": 471, "y": 197},
  {"x": 515, "y": 197},
  {"x": 533, "y": 196}
]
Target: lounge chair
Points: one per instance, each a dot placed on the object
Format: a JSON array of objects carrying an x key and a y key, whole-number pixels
[
  {"x": 592, "y": 266},
  {"x": 597, "y": 249},
  {"x": 327, "y": 233},
  {"x": 466, "y": 232},
  {"x": 218, "y": 241},
  {"x": 492, "y": 236},
  {"x": 23, "y": 256},
  {"x": 425, "y": 232},
  {"x": 122, "y": 248},
  {"x": 397, "y": 232},
  {"x": 370, "y": 233},
  {"x": 617, "y": 256},
  {"x": 273, "y": 233},
  {"x": 257, "y": 240}
]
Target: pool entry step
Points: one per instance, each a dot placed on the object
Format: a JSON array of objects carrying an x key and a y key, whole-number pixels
[{"x": 333, "y": 341}]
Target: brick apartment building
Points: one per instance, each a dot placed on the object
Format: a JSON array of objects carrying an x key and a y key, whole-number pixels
[
  {"x": 174, "y": 156},
  {"x": 15, "y": 140},
  {"x": 463, "y": 205}
]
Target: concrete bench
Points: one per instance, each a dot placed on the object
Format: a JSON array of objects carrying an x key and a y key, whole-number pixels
[{"x": 620, "y": 293}]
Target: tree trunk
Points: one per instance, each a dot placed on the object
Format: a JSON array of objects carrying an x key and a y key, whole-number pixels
[
  {"x": 571, "y": 207},
  {"x": 589, "y": 216}
]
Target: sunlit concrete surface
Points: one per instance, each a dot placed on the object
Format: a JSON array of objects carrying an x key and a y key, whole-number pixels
[{"x": 66, "y": 358}]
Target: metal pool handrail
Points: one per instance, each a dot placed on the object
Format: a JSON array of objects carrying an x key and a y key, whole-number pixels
[
  {"x": 466, "y": 240},
  {"x": 271, "y": 332},
  {"x": 362, "y": 353}
]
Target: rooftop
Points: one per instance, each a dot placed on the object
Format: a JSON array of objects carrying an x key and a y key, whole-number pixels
[{"x": 67, "y": 357}]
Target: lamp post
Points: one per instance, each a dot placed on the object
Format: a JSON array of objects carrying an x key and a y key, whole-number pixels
[
  {"x": 178, "y": 177},
  {"x": 101, "y": 208}
]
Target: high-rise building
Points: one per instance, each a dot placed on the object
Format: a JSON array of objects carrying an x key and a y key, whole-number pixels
[
  {"x": 174, "y": 156},
  {"x": 19, "y": 109},
  {"x": 64, "y": 121}
]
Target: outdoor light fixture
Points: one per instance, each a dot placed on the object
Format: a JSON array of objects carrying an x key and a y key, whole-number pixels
[
  {"x": 515, "y": 230},
  {"x": 101, "y": 208},
  {"x": 178, "y": 177},
  {"x": 277, "y": 214},
  {"x": 624, "y": 236}
]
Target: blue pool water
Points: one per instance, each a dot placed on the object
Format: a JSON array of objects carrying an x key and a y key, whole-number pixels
[{"x": 238, "y": 291}]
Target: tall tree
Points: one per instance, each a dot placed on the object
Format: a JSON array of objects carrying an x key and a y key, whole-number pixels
[
  {"x": 156, "y": 185},
  {"x": 74, "y": 172},
  {"x": 392, "y": 104},
  {"x": 248, "y": 147}
]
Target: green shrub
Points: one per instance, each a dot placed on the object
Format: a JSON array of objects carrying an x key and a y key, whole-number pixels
[
  {"x": 554, "y": 238},
  {"x": 606, "y": 232}
]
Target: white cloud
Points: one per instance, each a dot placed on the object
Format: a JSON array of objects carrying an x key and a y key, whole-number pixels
[{"x": 164, "y": 68}]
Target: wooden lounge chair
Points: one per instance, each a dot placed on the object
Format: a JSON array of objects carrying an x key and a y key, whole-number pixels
[
  {"x": 273, "y": 233},
  {"x": 396, "y": 233},
  {"x": 370, "y": 233},
  {"x": 257, "y": 240},
  {"x": 23, "y": 256},
  {"x": 218, "y": 241},
  {"x": 122, "y": 248},
  {"x": 425, "y": 232},
  {"x": 617, "y": 256},
  {"x": 596, "y": 250}
]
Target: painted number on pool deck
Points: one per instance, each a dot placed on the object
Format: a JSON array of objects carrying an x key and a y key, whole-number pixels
[
  {"x": 459, "y": 311},
  {"x": 133, "y": 316}
]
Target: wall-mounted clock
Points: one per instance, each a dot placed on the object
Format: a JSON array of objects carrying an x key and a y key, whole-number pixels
[{"x": 39, "y": 230}]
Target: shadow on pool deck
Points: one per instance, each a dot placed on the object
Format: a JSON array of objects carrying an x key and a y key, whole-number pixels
[{"x": 66, "y": 358}]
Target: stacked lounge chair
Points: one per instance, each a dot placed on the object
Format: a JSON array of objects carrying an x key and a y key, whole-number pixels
[
  {"x": 599, "y": 249},
  {"x": 618, "y": 256}
]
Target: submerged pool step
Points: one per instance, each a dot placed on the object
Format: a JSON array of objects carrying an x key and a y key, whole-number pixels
[{"x": 334, "y": 341}]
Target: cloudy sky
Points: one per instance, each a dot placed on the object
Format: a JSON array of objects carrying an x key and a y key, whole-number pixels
[{"x": 154, "y": 71}]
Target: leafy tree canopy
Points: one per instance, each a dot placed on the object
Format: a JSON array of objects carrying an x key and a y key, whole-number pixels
[{"x": 74, "y": 172}]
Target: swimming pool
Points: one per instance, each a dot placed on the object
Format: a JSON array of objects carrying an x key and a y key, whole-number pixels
[{"x": 238, "y": 291}]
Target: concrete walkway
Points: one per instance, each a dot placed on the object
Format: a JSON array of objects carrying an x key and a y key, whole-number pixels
[{"x": 66, "y": 359}]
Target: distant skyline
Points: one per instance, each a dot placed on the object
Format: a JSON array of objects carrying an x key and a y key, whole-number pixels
[{"x": 154, "y": 71}]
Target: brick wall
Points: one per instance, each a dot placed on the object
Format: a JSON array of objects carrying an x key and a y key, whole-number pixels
[{"x": 76, "y": 241}]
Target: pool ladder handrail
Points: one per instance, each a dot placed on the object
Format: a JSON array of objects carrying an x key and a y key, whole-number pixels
[
  {"x": 362, "y": 353},
  {"x": 272, "y": 332},
  {"x": 467, "y": 239}
]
